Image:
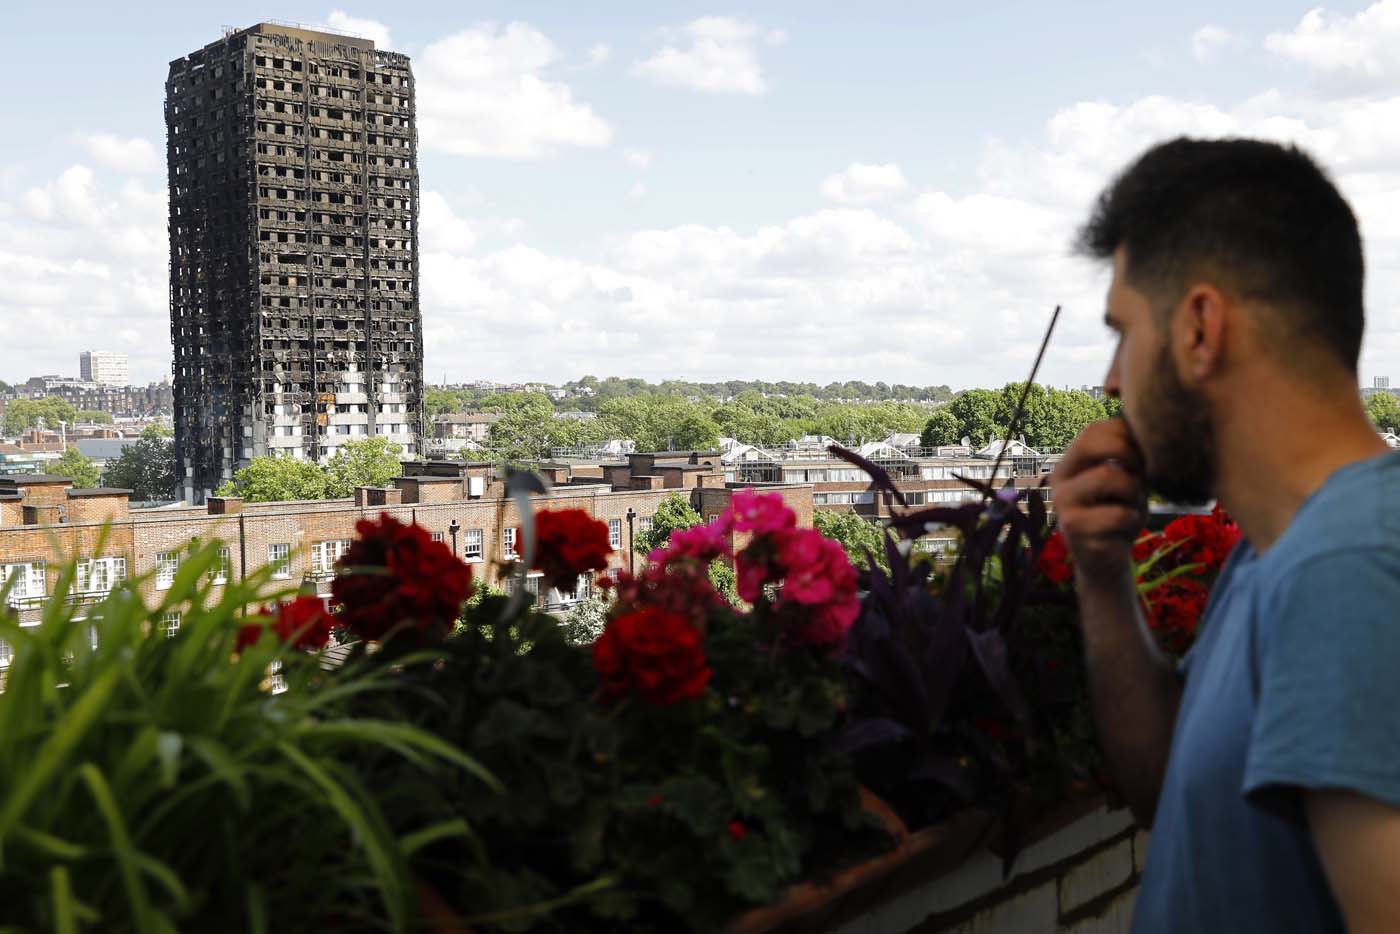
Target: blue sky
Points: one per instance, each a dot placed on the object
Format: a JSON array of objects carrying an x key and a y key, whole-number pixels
[{"x": 787, "y": 191}]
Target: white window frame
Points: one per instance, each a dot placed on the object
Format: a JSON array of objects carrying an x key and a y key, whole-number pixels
[
  {"x": 7, "y": 654},
  {"x": 170, "y": 623},
  {"x": 30, "y": 584},
  {"x": 508, "y": 543},
  {"x": 279, "y": 558},
  {"x": 325, "y": 554},
  {"x": 644, "y": 525},
  {"x": 615, "y": 533},
  {"x": 167, "y": 565},
  {"x": 473, "y": 544},
  {"x": 222, "y": 566},
  {"x": 99, "y": 575}
]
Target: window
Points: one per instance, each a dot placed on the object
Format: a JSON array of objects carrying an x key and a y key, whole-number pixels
[
  {"x": 170, "y": 623},
  {"x": 221, "y": 568},
  {"x": 100, "y": 575},
  {"x": 644, "y": 524},
  {"x": 615, "y": 533},
  {"x": 324, "y": 555},
  {"x": 437, "y": 536},
  {"x": 27, "y": 581},
  {"x": 472, "y": 544},
  {"x": 508, "y": 540},
  {"x": 167, "y": 563},
  {"x": 279, "y": 557},
  {"x": 6, "y": 654}
]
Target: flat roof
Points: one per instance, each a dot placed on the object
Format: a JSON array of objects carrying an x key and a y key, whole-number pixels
[
  {"x": 99, "y": 491},
  {"x": 33, "y": 479}
]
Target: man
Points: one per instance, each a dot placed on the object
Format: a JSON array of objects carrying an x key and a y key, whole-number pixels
[{"x": 1268, "y": 762}]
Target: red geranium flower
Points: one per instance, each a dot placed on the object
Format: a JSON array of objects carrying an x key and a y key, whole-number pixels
[
  {"x": 302, "y": 621},
  {"x": 1054, "y": 559},
  {"x": 395, "y": 574},
  {"x": 737, "y": 830},
  {"x": 569, "y": 542},
  {"x": 652, "y": 653}
]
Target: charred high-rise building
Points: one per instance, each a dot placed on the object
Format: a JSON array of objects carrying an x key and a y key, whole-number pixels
[{"x": 294, "y": 310}]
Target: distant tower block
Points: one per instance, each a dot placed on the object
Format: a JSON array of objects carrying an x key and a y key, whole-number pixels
[{"x": 293, "y": 250}]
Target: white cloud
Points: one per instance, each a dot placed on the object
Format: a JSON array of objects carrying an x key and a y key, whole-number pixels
[
  {"x": 82, "y": 255},
  {"x": 713, "y": 53},
  {"x": 776, "y": 37},
  {"x": 641, "y": 158},
  {"x": 1208, "y": 42},
  {"x": 482, "y": 92},
  {"x": 859, "y": 183},
  {"x": 637, "y": 192},
  {"x": 599, "y": 53},
  {"x": 443, "y": 230},
  {"x": 1358, "y": 50},
  {"x": 132, "y": 155},
  {"x": 371, "y": 29}
]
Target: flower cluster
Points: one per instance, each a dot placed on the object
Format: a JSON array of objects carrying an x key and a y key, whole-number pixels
[
  {"x": 817, "y": 602},
  {"x": 1189, "y": 553},
  {"x": 303, "y": 622},
  {"x": 813, "y": 585},
  {"x": 569, "y": 542},
  {"x": 653, "y": 654},
  {"x": 395, "y": 575},
  {"x": 1174, "y": 568}
]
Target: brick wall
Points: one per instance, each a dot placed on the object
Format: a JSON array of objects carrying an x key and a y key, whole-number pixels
[{"x": 1080, "y": 879}]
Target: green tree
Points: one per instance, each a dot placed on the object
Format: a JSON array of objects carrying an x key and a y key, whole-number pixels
[
  {"x": 941, "y": 428},
  {"x": 147, "y": 468},
  {"x": 673, "y": 512},
  {"x": 976, "y": 412},
  {"x": 441, "y": 402},
  {"x": 93, "y": 417},
  {"x": 277, "y": 479},
  {"x": 1384, "y": 411},
  {"x": 854, "y": 533},
  {"x": 73, "y": 464},
  {"x": 372, "y": 461},
  {"x": 24, "y": 414}
]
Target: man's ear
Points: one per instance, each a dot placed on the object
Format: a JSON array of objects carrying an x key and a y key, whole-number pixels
[{"x": 1199, "y": 331}]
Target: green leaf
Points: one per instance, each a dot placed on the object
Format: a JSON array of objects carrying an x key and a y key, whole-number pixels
[
  {"x": 168, "y": 747},
  {"x": 381, "y": 849},
  {"x": 61, "y": 893},
  {"x": 122, "y": 848},
  {"x": 224, "y": 767},
  {"x": 405, "y": 738},
  {"x": 444, "y": 830},
  {"x": 65, "y": 736}
]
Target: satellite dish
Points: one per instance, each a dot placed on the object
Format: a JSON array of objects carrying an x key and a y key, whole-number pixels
[{"x": 966, "y": 441}]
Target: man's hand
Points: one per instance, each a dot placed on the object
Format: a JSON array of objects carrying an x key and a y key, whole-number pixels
[{"x": 1100, "y": 500}]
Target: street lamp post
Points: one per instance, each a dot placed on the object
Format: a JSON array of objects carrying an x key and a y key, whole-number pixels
[
  {"x": 631, "y": 546},
  {"x": 452, "y": 530}
]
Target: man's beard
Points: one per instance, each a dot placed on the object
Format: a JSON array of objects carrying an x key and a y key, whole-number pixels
[{"x": 1177, "y": 437}]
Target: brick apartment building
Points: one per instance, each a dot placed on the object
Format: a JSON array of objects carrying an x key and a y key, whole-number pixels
[{"x": 44, "y": 522}]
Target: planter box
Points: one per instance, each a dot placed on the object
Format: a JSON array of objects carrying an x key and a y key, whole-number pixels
[{"x": 1077, "y": 870}]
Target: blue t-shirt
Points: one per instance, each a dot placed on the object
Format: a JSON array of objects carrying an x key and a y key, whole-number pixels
[{"x": 1294, "y": 684}]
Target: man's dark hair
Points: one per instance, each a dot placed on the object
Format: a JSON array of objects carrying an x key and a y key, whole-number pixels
[{"x": 1256, "y": 219}]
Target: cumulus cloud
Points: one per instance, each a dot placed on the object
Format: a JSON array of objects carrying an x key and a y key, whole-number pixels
[
  {"x": 371, "y": 29},
  {"x": 1208, "y": 42},
  {"x": 859, "y": 183},
  {"x": 132, "y": 155},
  {"x": 84, "y": 254},
  {"x": 484, "y": 92},
  {"x": 598, "y": 53},
  {"x": 1357, "y": 50},
  {"x": 713, "y": 53}
]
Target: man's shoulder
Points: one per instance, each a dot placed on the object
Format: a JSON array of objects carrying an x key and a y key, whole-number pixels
[{"x": 1354, "y": 518}]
